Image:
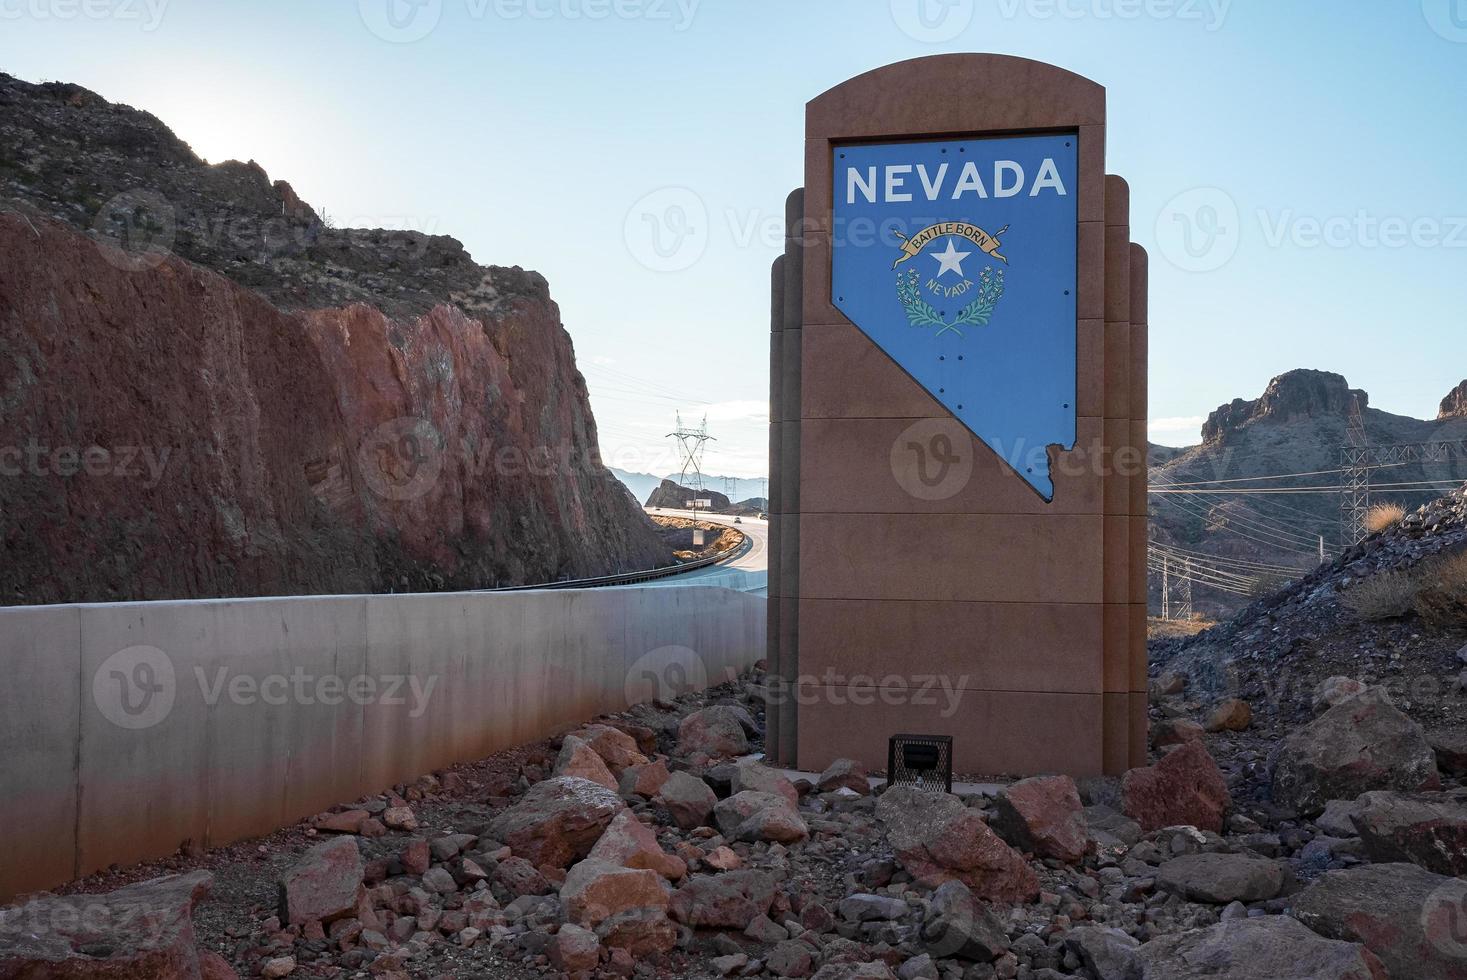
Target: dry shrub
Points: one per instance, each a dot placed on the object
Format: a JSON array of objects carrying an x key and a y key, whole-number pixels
[
  {"x": 1383, "y": 516},
  {"x": 1384, "y": 595},
  {"x": 1441, "y": 599}
]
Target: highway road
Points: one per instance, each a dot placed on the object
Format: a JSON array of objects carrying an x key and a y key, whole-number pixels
[{"x": 747, "y": 571}]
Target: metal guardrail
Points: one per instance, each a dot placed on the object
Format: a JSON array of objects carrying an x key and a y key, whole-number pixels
[{"x": 632, "y": 578}]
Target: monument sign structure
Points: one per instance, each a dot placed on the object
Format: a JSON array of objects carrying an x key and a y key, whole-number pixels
[{"x": 958, "y": 431}]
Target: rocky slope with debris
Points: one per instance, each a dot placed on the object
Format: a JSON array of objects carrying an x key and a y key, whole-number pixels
[
  {"x": 207, "y": 391},
  {"x": 1297, "y": 426}
]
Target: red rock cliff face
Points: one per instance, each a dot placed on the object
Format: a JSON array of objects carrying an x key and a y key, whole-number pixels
[{"x": 167, "y": 433}]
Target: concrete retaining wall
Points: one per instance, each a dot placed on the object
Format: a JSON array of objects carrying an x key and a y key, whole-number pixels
[{"x": 126, "y": 729}]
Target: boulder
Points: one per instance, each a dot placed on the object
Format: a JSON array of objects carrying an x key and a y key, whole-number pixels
[
  {"x": 1361, "y": 744},
  {"x": 519, "y": 877},
  {"x": 1408, "y": 917},
  {"x": 574, "y": 949},
  {"x": 1451, "y": 752},
  {"x": 324, "y": 884},
  {"x": 594, "y": 891},
  {"x": 1184, "y": 788},
  {"x": 1175, "y": 731},
  {"x": 1231, "y": 715},
  {"x": 729, "y": 900},
  {"x": 938, "y": 839},
  {"x": 1109, "y": 954},
  {"x": 1266, "y": 948},
  {"x": 140, "y": 932},
  {"x": 791, "y": 959},
  {"x": 1043, "y": 816},
  {"x": 579, "y": 759},
  {"x": 1428, "y": 829},
  {"x": 870, "y": 908},
  {"x": 717, "y": 732},
  {"x": 844, "y": 774},
  {"x": 688, "y": 799},
  {"x": 1108, "y": 828},
  {"x": 958, "y": 925},
  {"x": 1333, "y": 690},
  {"x": 641, "y": 932},
  {"x": 345, "y": 822},
  {"x": 762, "y": 779},
  {"x": 645, "y": 781},
  {"x": 1338, "y": 818},
  {"x": 753, "y": 816},
  {"x": 615, "y": 747},
  {"x": 631, "y": 844},
  {"x": 558, "y": 821},
  {"x": 1218, "y": 879}
]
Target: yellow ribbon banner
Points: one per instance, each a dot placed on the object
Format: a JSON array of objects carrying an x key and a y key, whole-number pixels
[{"x": 912, "y": 247}]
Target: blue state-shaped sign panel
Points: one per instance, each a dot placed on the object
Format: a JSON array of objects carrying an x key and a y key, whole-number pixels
[{"x": 958, "y": 259}]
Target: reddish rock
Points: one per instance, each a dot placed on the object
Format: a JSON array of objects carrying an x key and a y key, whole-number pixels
[
  {"x": 519, "y": 877},
  {"x": 938, "y": 839},
  {"x": 557, "y": 822},
  {"x": 645, "y": 781},
  {"x": 346, "y": 822},
  {"x": 1175, "y": 731},
  {"x": 688, "y": 799},
  {"x": 595, "y": 891},
  {"x": 146, "y": 931},
  {"x": 1333, "y": 690},
  {"x": 615, "y": 747},
  {"x": 640, "y": 932},
  {"x": 1185, "y": 787},
  {"x": 574, "y": 949},
  {"x": 1429, "y": 830},
  {"x": 212, "y": 966},
  {"x": 844, "y": 774},
  {"x": 722, "y": 858},
  {"x": 752, "y": 816},
  {"x": 325, "y": 883},
  {"x": 730, "y": 900},
  {"x": 1361, "y": 744},
  {"x": 336, "y": 451},
  {"x": 416, "y": 858},
  {"x": 579, "y": 759},
  {"x": 629, "y": 843},
  {"x": 1231, "y": 715},
  {"x": 762, "y": 779},
  {"x": 716, "y": 732},
  {"x": 1044, "y": 816}
]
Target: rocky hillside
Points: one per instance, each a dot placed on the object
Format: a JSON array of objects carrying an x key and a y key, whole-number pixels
[
  {"x": 1297, "y": 426},
  {"x": 672, "y": 496},
  {"x": 209, "y": 392}
]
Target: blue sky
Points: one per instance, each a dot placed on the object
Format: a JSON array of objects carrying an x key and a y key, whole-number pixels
[{"x": 560, "y": 135}]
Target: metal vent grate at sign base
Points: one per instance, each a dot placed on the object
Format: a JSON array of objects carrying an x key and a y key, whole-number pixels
[{"x": 925, "y": 761}]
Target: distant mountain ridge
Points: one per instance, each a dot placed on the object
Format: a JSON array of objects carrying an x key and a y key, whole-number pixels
[{"x": 1206, "y": 501}]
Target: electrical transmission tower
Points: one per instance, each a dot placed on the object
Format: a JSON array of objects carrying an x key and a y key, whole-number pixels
[
  {"x": 1355, "y": 478},
  {"x": 1166, "y": 587},
  {"x": 690, "y": 443},
  {"x": 1186, "y": 611},
  {"x": 731, "y": 488}
]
